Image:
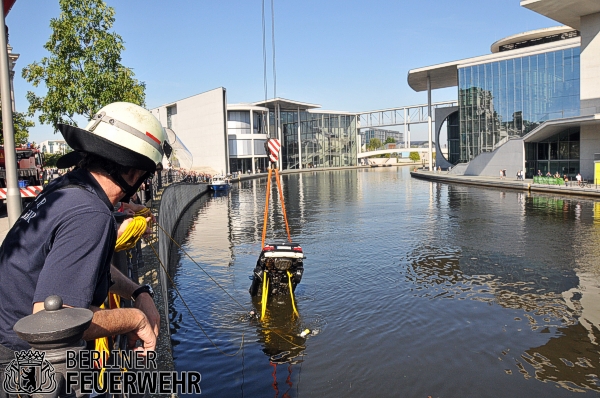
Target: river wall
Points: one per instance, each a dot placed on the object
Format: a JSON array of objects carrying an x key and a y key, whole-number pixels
[{"x": 175, "y": 200}]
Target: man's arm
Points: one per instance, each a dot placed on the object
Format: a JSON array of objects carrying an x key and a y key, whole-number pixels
[
  {"x": 125, "y": 287},
  {"x": 130, "y": 321}
]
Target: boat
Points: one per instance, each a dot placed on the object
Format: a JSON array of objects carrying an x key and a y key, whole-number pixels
[
  {"x": 282, "y": 264},
  {"x": 219, "y": 183}
]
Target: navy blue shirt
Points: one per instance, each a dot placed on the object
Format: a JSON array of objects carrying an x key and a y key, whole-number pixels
[{"x": 62, "y": 244}]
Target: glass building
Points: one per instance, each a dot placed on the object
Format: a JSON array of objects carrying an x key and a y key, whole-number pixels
[
  {"x": 526, "y": 106},
  {"x": 511, "y": 97},
  {"x": 309, "y": 137},
  {"x": 325, "y": 140},
  {"x": 382, "y": 135}
]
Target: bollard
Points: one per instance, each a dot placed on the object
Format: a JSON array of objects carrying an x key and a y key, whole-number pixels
[{"x": 50, "y": 333}]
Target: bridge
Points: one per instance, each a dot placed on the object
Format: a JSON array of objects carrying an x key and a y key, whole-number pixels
[{"x": 402, "y": 116}]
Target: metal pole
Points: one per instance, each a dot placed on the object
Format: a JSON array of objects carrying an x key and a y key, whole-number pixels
[
  {"x": 430, "y": 165},
  {"x": 405, "y": 130},
  {"x": 299, "y": 143},
  {"x": 13, "y": 195},
  {"x": 252, "y": 159},
  {"x": 278, "y": 117}
]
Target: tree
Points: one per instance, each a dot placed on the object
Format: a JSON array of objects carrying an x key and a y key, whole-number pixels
[
  {"x": 389, "y": 140},
  {"x": 83, "y": 72},
  {"x": 21, "y": 128},
  {"x": 51, "y": 158},
  {"x": 414, "y": 156},
  {"x": 374, "y": 143}
]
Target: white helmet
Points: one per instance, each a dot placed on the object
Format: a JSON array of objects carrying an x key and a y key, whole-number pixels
[{"x": 125, "y": 133}]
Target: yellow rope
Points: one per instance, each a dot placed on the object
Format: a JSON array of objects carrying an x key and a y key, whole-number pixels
[
  {"x": 133, "y": 233},
  {"x": 265, "y": 294},
  {"x": 292, "y": 293},
  {"x": 144, "y": 212},
  {"x": 101, "y": 343}
]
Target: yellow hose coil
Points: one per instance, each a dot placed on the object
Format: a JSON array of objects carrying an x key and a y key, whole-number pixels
[
  {"x": 101, "y": 343},
  {"x": 132, "y": 234}
]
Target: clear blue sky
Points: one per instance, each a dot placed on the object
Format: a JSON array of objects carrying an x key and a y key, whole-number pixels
[{"x": 345, "y": 55}]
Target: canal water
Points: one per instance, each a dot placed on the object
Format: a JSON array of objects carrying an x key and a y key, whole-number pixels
[{"x": 411, "y": 288}]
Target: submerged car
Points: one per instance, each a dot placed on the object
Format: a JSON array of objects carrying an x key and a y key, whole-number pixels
[{"x": 283, "y": 264}]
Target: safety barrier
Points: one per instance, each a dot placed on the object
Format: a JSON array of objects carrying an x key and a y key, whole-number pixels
[{"x": 548, "y": 180}]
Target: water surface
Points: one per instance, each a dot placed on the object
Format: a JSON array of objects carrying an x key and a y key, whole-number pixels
[{"x": 411, "y": 288}]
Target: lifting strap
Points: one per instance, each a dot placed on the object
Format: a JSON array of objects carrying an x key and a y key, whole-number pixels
[{"x": 266, "y": 213}]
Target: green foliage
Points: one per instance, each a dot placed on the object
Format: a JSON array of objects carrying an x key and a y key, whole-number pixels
[
  {"x": 21, "y": 128},
  {"x": 414, "y": 156},
  {"x": 374, "y": 143},
  {"x": 83, "y": 72},
  {"x": 51, "y": 158},
  {"x": 389, "y": 140}
]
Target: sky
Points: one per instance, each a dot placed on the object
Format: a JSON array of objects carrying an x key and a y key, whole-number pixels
[{"x": 345, "y": 55}]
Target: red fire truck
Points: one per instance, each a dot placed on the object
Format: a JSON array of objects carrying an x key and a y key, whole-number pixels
[{"x": 29, "y": 170}]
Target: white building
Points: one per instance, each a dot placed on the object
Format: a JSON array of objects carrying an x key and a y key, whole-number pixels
[
  {"x": 200, "y": 123},
  {"x": 53, "y": 146}
]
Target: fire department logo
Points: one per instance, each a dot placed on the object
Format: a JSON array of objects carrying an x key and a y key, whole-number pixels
[{"x": 29, "y": 373}]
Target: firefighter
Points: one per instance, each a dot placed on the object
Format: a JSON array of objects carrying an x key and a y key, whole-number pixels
[{"x": 63, "y": 242}]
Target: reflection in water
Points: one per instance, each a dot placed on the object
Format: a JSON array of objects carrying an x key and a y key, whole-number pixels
[
  {"x": 417, "y": 289},
  {"x": 549, "y": 297},
  {"x": 280, "y": 332}
]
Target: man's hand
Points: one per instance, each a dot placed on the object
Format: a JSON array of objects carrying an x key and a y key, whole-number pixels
[
  {"x": 130, "y": 321},
  {"x": 145, "y": 303},
  {"x": 143, "y": 332},
  {"x": 123, "y": 226}
]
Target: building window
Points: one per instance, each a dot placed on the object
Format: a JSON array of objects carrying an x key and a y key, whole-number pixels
[
  {"x": 559, "y": 153},
  {"x": 171, "y": 111},
  {"x": 238, "y": 122},
  {"x": 260, "y": 119},
  {"x": 259, "y": 148},
  {"x": 507, "y": 98},
  {"x": 239, "y": 147}
]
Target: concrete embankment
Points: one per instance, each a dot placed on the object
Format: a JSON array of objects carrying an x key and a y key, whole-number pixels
[
  {"x": 173, "y": 202},
  {"x": 508, "y": 183}
]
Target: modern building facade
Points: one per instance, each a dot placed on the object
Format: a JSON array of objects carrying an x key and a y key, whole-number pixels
[
  {"x": 53, "y": 146},
  {"x": 200, "y": 123},
  {"x": 310, "y": 137},
  {"x": 230, "y": 138},
  {"x": 538, "y": 88},
  {"x": 382, "y": 135},
  {"x": 315, "y": 138},
  {"x": 247, "y": 132}
]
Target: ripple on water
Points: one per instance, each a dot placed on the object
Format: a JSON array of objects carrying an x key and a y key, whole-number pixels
[{"x": 408, "y": 285}]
